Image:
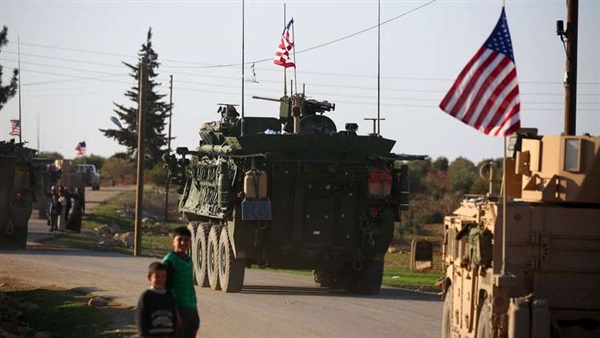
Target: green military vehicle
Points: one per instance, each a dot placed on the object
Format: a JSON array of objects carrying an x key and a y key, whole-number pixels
[
  {"x": 16, "y": 194},
  {"x": 291, "y": 192}
]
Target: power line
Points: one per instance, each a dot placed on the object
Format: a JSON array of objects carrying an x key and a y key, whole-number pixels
[{"x": 204, "y": 65}]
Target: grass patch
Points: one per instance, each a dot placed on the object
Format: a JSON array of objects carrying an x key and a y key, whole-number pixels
[{"x": 57, "y": 305}]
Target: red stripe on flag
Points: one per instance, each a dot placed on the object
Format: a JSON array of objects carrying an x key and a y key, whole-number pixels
[
  {"x": 494, "y": 97},
  {"x": 471, "y": 84},
  {"x": 485, "y": 87},
  {"x": 501, "y": 109},
  {"x": 453, "y": 90}
]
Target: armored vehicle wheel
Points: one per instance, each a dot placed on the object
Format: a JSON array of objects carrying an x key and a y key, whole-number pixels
[
  {"x": 199, "y": 257},
  {"x": 192, "y": 250},
  {"x": 212, "y": 257},
  {"x": 368, "y": 280},
  {"x": 447, "y": 314},
  {"x": 484, "y": 323},
  {"x": 231, "y": 270},
  {"x": 322, "y": 278}
]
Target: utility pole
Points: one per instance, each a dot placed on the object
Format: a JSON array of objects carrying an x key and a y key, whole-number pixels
[
  {"x": 571, "y": 67},
  {"x": 137, "y": 245},
  {"x": 169, "y": 147}
]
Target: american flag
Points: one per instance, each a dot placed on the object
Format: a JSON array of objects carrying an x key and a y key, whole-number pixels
[
  {"x": 80, "y": 149},
  {"x": 15, "y": 128},
  {"x": 282, "y": 56},
  {"x": 486, "y": 93}
]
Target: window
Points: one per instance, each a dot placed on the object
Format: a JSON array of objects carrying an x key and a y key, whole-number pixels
[{"x": 572, "y": 159}]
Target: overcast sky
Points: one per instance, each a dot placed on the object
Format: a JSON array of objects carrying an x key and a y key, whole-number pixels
[{"x": 71, "y": 54}]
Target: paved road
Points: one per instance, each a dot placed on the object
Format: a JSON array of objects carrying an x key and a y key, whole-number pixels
[{"x": 271, "y": 304}]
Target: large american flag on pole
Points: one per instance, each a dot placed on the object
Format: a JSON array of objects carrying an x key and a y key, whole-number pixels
[
  {"x": 282, "y": 56},
  {"x": 15, "y": 128},
  {"x": 486, "y": 93}
]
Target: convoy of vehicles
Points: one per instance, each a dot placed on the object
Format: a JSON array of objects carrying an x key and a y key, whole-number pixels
[{"x": 301, "y": 196}]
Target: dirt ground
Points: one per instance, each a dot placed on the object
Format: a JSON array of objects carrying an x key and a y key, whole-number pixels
[{"x": 120, "y": 315}]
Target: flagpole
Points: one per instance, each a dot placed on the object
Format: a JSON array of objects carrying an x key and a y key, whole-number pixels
[
  {"x": 503, "y": 270},
  {"x": 19, "y": 66},
  {"x": 295, "y": 61},
  {"x": 243, "y": 73},
  {"x": 284, "y": 67},
  {"x": 378, "y": 67},
  {"x": 38, "y": 131}
]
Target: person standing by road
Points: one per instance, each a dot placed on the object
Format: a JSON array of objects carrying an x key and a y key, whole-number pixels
[
  {"x": 156, "y": 312},
  {"x": 55, "y": 212},
  {"x": 180, "y": 281}
]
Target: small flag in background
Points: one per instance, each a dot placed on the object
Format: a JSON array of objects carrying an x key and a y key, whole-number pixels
[
  {"x": 486, "y": 93},
  {"x": 15, "y": 128},
  {"x": 282, "y": 56},
  {"x": 80, "y": 149}
]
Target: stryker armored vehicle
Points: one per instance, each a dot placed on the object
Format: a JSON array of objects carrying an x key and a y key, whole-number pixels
[
  {"x": 16, "y": 194},
  {"x": 552, "y": 262},
  {"x": 291, "y": 193}
]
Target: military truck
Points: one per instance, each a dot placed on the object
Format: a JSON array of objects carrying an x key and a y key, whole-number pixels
[
  {"x": 291, "y": 193},
  {"x": 552, "y": 266},
  {"x": 16, "y": 194}
]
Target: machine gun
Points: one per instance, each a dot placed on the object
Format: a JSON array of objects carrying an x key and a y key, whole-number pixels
[{"x": 297, "y": 107}]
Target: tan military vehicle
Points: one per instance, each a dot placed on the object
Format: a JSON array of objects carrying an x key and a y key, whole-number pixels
[{"x": 548, "y": 284}]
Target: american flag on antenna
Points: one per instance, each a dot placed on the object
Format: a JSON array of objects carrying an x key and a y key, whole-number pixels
[
  {"x": 15, "y": 128},
  {"x": 282, "y": 56},
  {"x": 486, "y": 93},
  {"x": 80, "y": 149}
]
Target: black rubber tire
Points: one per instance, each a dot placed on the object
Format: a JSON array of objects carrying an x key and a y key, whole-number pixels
[
  {"x": 231, "y": 270},
  {"x": 447, "y": 314},
  {"x": 199, "y": 255},
  {"x": 366, "y": 281},
  {"x": 322, "y": 278},
  {"x": 372, "y": 278},
  {"x": 212, "y": 257},
  {"x": 484, "y": 322},
  {"x": 192, "y": 250}
]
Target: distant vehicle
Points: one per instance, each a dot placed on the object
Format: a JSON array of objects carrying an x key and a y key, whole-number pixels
[{"x": 91, "y": 175}]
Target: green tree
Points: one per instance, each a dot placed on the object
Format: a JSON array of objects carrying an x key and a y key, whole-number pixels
[
  {"x": 52, "y": 155},
  {"x": 462, "y": 174},
  {"x": 8, "y": 91},
  {"x": 118, "y": 169},
  {"x": 155, "y": 113},
  {"x": 440, "y": 164}
]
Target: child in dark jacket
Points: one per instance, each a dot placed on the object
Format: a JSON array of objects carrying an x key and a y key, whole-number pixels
[{"x": 156, "y": 312}]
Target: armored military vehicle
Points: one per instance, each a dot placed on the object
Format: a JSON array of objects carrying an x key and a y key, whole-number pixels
[
  {"x": 291, "y": 193},
  {"x": 16, "y": 194},
  {"x": 552, "y": 250}
]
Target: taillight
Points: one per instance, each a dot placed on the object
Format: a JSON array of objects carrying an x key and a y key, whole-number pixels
[
  {"x": 380, "y": 182},
  {"x": 19, "y": 196}
]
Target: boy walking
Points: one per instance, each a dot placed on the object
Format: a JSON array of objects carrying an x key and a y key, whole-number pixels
[
  {"x": 156, "y": 312},
  {"x": 180, "y": 281}
]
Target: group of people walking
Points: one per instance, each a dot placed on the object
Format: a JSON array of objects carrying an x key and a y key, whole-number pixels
[{"x": 66, "y": 209}]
